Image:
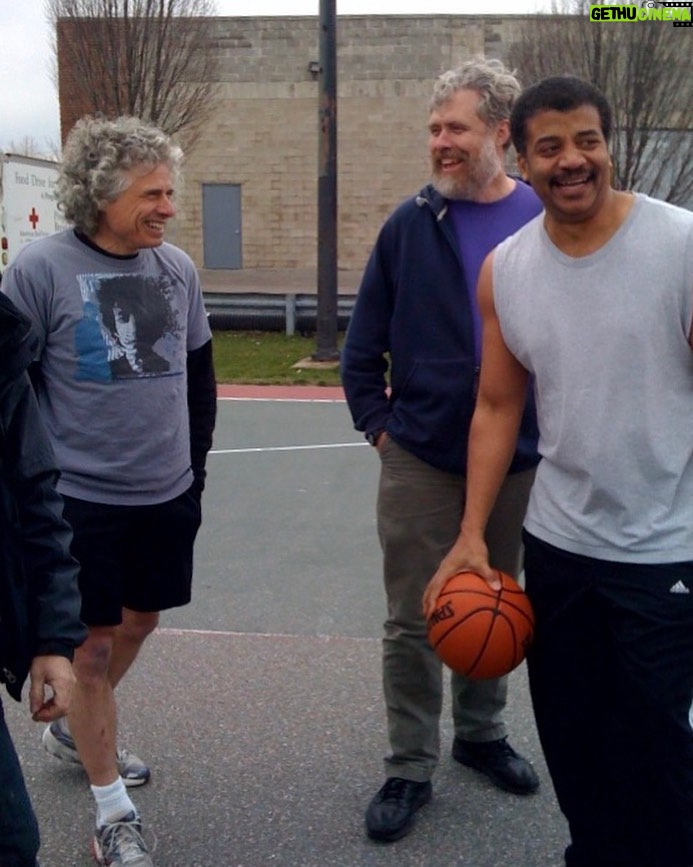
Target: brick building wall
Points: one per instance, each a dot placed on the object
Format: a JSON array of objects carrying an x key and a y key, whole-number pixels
[
  {"x": 263, "y": 134},
  {"x": 72, "y": 105}
]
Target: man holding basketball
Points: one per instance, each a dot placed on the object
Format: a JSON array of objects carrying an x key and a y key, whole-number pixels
[
  {"x": 416, "y": 307},
  {"x": 595, "y": 300}
]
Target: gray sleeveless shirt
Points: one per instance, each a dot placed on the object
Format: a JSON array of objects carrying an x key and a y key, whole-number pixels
[{"x": 606, "y": 336}]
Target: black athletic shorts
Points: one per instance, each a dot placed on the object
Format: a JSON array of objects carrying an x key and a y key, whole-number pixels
[{"x": 136, "y": 557}]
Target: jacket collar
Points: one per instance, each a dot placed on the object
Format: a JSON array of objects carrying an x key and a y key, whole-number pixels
[
  {"x": 438, "y": 203},
  {"x": 430, "y": 197}
]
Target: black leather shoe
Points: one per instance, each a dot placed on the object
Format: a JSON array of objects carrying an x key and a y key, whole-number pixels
[
  {"x": 391, "y": 813},
  {"x": 499, "y": 761}
]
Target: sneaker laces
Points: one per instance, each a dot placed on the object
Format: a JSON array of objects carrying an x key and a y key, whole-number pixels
[
  {"x": 124, "y": 756},
  {"x": 501, "y": 748},
  {"x": 123, "y": 839},
  {"x": 394, "y": 789}
]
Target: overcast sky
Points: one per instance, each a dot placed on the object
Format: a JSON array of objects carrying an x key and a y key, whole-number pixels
[{"x": 30, "y": 103}]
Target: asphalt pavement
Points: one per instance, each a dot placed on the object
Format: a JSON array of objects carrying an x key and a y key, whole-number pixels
[{"x": 259, "y": 705}]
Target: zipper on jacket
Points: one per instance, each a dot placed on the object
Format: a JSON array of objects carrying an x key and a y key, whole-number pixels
[{"x": 449, "y": 235}]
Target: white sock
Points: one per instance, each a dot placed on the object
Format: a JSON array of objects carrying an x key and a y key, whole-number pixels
[{"x": 112, "y": 802}]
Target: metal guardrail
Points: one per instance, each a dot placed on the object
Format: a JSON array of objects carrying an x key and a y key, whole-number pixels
[{"x": 264, "y": 311}]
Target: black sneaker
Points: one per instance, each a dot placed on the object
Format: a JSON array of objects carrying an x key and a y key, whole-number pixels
[
  {"x": 499, "y": 761},
  {"x": 391, "y": 812}
]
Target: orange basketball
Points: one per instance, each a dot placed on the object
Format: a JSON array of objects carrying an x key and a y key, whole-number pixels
[{"x": 480, "y": 632}]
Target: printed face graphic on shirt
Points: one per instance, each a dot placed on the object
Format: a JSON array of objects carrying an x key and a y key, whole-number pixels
[{"x": 129, "y": 329}]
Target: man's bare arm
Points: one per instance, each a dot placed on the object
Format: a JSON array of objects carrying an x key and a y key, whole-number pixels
[{"x": 492, "y": 440}]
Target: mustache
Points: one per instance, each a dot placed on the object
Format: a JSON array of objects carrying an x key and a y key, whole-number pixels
[
  {"x": 450, "y": 153},
  {"x": 571, "y": 177}
]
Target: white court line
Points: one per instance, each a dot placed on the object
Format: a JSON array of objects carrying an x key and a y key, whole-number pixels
[
  {"x": 285, "y": 399},
  {"x": 172, "y": 630},
  {"x": 285, "y": 448}
]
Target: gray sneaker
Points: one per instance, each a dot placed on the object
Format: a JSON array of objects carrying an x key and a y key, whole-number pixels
[
  {"x": 57, "y": 740},
  {"x": 121, "y": 843}
]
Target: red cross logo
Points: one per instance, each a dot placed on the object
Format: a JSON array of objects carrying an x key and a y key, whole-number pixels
[{"x": 33, "y": 218}]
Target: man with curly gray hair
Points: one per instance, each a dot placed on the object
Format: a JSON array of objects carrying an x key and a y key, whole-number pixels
[
  {"x": 126, "y": 386},
  {"x": 416, "y": 311}
]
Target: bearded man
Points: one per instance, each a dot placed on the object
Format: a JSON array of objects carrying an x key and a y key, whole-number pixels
[{"x": 416, "y": 315}]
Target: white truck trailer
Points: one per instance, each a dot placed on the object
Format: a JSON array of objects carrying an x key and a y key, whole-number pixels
[{"x": 27, "y": 203}]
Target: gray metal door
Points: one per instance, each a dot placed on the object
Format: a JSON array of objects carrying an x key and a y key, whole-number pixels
[{"x": 221, "y": 225}]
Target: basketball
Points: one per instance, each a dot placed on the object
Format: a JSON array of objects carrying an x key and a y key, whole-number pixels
[{"x": 480, "y": 632}]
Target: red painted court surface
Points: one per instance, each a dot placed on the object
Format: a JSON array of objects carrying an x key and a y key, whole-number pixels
[{"x": 281, "y": 392}]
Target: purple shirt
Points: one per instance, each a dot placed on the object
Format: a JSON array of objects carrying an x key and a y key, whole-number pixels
[{"x": 481, "y": 226}]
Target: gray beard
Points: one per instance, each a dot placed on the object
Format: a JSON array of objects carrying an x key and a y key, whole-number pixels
[{"x": 479, "y": 176}]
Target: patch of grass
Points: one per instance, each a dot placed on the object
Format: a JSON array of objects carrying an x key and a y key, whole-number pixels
[{"x": 267, "y": 358}]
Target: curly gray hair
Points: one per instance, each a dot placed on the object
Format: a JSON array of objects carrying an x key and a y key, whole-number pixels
[
  {"x": 97, "y": 154},
  {"x": 497, "y": 86}
]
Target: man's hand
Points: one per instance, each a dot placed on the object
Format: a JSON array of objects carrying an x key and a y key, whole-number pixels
[
  {"x": 466, "y": 555},
  {"x": 52, "y": 680}
]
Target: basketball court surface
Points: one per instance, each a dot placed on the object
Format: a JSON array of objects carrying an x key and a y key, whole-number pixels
[{"x": 259, "y": 705}]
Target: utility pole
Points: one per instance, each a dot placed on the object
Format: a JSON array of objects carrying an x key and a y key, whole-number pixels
[{"x": 326, "y": 349}]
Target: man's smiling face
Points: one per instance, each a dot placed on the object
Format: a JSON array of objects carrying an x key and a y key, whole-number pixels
[
  {"x": 137, "y": 218},
  {"x": 567, "y": 162},
  {"x": 466, "y": 153}
]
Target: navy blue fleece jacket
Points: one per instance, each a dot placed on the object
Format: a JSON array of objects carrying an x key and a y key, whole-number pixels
[{"x": 413, "y": 315}]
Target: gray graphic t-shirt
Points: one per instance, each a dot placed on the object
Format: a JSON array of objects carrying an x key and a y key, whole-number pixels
[{"x": 114, "y": 336}]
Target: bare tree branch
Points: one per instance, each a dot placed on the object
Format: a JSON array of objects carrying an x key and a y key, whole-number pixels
[
  {"x": 643, "y": 68},
  {"x": 148, "y": 58},
  {"x": 27, "y": 146}
]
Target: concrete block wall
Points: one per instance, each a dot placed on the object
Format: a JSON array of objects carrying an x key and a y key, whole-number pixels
[{"x": 263, "y": 133}]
